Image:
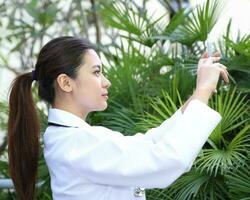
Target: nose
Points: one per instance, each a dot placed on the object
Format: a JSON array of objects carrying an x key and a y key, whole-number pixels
[{"x": 106, "y": 82}]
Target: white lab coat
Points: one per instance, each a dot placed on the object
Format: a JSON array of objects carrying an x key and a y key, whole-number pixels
[{"x": 96, "y": 163}]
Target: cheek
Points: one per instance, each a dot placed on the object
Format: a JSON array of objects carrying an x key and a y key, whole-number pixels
[
  {"x": 91, "y": 101},
  {"x": 88, "y": 92}
]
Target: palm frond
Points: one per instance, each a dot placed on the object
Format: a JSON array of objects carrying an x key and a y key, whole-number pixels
[
  {"x": 241, "y": 47},
  {"x": 237, "y": 58},
  {"x": 117, "y": 117},
  {"x": 134, "y": 23},
  {"x": 220, "y": 161},
  {"x": 238, "y": 182},
  {"x": 158, "y": 194},
  {"x": 197, "y": 185},
  {"x": 233, "y": 107},
  {"x": 198, "y": 23},
  {"x": 163, "y": 107},
  {"x": 116, "y": 15},
  {"x": 230, "y": 140}
]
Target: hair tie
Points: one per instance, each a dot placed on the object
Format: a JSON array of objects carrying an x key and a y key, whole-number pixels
[{"x": 34, "y": 77}]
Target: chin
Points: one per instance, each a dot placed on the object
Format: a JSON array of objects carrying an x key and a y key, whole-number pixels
[
  {"x": 102, "y": 107},
  {"x": 105, "y": 107}
]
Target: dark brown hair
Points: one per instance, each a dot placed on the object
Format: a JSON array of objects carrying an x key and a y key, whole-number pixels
[{"x": 60, "y": 55}]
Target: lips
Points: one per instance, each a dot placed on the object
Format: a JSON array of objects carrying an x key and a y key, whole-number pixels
[{"x": 105, "y": 95}]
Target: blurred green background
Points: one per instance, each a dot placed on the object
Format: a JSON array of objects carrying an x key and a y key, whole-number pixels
[{"x": 151, "y": 62}]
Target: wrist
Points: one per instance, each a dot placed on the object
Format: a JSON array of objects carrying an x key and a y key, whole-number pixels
[
  {"x": 202, "y": 94},
  {"x": 204, "y": 90}
]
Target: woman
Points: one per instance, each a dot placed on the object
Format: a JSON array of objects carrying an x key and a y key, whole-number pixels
[{"x": 93, "y": 162}]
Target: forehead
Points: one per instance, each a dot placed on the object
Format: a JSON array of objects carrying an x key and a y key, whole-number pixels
[{"x": 91, "y": 59}]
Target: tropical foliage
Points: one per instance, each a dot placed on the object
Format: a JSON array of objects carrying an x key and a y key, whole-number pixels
[{"x": 151, "y": 63}]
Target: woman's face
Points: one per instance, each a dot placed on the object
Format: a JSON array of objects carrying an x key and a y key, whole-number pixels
[{"x": 91, "y": 87}]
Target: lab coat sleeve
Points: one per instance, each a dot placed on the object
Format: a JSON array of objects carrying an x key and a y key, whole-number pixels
[{"x": 136, "y": 162}]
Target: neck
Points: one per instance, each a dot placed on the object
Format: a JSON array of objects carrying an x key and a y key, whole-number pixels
[{"x": 70, "y": 107}]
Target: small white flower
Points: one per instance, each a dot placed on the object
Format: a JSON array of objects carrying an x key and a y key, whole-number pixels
[{"x": 165, "y": 69}]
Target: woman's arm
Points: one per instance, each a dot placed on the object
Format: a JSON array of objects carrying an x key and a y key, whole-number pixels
[
  {"x": 113, "y": 159},
  {"x": 201, "y": 94}
]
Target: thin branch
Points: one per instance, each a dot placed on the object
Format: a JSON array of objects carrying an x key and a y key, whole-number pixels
[
  {"x": 84, "y": 20},
  {"x": 179, "y": 3},
  {"x": 97, "y": 27},
  {"x": 16, "y": 72}
]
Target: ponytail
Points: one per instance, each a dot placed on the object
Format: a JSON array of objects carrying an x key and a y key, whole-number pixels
[
  {"x": 23, "y": 137},
  {"x": 60, "y": 55}
]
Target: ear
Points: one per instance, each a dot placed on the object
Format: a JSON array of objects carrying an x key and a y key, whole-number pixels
[{"x": 64, "y": 82}]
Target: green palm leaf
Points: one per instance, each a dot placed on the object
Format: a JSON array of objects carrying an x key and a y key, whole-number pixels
[
  {"x": 158, "y": 194},
  {"x": 241, "y": 47},
  {"x": 117, "y": 15},
  {"x": 233, "y": 107},
  {"x": 198, "y": 185},
  {"x": 134, "y": 22},
  {"x": 230, "y": 140},
  {"x": 237, "y": 58},
  {"x": 198, "y": 23},
  {"x": 117, "y": 117},
  {"x": 238, "y": 182},
  {"x": 163, "y": 108}
]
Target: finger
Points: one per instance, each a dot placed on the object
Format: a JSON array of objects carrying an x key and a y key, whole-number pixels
[
  {"x": 224, "y": 75},
  {"x": 216, "y": 54},
  {"x": 223, "y": 71},
  {"x": 204, "y": 55},
  {"x": 227, "y": 75},
  {"x": 224, "y": 67}
]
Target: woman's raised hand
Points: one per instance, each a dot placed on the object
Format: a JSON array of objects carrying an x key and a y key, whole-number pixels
[{"x": 208, "y": 72}]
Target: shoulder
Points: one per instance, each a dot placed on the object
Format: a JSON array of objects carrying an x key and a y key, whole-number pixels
[
  {"x": 92, "y": 132},
  {"x": 106, "y": 131}
]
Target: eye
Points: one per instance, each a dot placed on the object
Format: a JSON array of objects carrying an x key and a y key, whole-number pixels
[{"x": 97, "y": 72}]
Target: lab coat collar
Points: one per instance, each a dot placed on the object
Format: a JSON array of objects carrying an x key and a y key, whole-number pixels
[{"x": 65, "y": 118}]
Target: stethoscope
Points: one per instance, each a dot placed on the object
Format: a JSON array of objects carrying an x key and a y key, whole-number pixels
[{"x": 139, "y": 192}]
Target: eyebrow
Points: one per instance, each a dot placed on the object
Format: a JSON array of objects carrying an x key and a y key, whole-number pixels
[{"x": 97, "y": 66}]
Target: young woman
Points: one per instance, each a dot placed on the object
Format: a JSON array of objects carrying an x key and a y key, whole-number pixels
[{"x": 93, "y": 162}]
